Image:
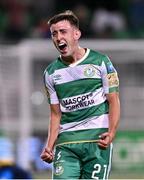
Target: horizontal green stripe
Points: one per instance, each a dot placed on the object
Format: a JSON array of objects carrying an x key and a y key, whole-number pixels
[
  {"x": 114, "y": 89},
  {"x": 80, "y": 136},
  {"x": 82, "y": 114},
  {"x": 78, "y": 87}
]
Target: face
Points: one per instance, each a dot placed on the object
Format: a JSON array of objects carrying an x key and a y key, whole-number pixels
[{"x": 65, "y": 37}]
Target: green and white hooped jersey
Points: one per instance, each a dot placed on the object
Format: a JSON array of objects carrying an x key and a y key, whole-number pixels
[{"x": 80, "y": 89}]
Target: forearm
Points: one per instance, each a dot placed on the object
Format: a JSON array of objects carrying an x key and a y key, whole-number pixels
[
  {"x": 114, "y": 116},
  {"x": 47, "y": 154},
  {"x": 52, "y": 135},
  {"x": 54, "y": 125}
]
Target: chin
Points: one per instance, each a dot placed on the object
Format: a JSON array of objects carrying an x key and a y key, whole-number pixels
[{"x": 65, "y": 54}]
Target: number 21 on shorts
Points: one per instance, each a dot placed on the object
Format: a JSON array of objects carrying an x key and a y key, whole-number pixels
[{"x": 97, "y": 171}]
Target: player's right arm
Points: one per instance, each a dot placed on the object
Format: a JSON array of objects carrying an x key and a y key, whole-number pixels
[{"x": 55, "y": 116}]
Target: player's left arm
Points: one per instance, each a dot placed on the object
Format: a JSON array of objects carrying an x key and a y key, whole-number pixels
[
  {"x": 114, "y": 116},
  {"x": 111, "y": 89},
  {"x": 114, "y": 113}
]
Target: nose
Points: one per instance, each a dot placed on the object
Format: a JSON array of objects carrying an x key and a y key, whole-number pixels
[{"x": 59, "y": 36}]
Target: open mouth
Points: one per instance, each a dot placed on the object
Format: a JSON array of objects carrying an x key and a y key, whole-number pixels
[{"x": 62, "y": 46}]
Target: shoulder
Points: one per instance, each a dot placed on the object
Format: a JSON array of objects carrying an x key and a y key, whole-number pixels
[
  {"x": 100, "y": 57},
  {"x": 52, "y": 67}
]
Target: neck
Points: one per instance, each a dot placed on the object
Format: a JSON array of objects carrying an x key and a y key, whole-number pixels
[{"x": 76, "y": 56}]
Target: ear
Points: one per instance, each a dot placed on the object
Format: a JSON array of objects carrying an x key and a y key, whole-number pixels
[{"x": 77, "y": 34}]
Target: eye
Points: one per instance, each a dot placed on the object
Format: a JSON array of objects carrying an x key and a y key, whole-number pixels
[
  {"x": 53, "y": 34},
  {"x": 63, "y": 31}
]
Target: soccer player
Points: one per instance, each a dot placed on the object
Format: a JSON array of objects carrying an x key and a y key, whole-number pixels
[{"x": 82, "y": 87}]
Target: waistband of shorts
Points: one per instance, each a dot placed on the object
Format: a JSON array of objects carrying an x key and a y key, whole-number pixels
[{"x": 81, "y": 136}]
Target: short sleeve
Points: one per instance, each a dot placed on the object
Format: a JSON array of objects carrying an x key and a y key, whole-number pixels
[
  {"x": 49, "y": 88},
  {"x": 109, "y": 76}
]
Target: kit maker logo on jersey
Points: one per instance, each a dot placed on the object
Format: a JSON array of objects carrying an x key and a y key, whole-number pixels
[{"x": 89, "y": 71}]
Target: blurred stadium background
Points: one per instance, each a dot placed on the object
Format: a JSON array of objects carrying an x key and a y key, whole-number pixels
[{"x": 112, "y": 27}]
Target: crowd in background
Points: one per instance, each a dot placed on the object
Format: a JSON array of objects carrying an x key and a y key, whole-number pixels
[{"x": 98, "y": 19}]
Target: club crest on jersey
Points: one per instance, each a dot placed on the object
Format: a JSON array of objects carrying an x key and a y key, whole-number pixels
[
  {"x": 58, "y": 169},
  {"x": 89, "y": 71}
]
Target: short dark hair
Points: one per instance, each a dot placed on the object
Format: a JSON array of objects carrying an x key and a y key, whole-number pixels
[{"x": 66, "y": 15}]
